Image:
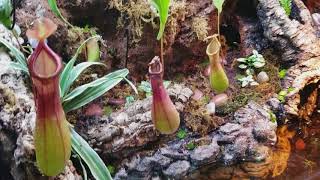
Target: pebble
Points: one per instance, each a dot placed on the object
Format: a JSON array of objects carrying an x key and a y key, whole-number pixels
[
  {"x": 211, "y": 108},
  {"x": 197, "y": 95},
  {"x": 262, "y": 77},
  {"x": 220, "y": 99}
]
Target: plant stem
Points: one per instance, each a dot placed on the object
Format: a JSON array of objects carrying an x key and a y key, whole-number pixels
[
  {"x": 219, "y": 26},
  {"x": 127, "y": 48},
  {"x": 161, "y": 52}
]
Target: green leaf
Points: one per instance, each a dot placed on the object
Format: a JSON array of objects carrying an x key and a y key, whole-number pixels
[
  {"x": 78, "y": 69},
  {"x": 19, "y": 67},
  {"x": 282, "y": 73},
  {"x": 242, "y": 60},
  {"x": 54, "y": 8},
  {"x": 5, "y": 13},
  {"x": 162, "y": 7},
  {"x": 273, "y": 117},
  {"x": 243, "y": 66},
  {"x": 97, "y": 168},
  {"x": 286, "y": 5},
  {"x": 19, "y": 56},
  {"x": 191, "y": 146},
  {"x": 145, "y": 86},
  {"x": 84, "y": 171},
  {"x": 166, "y": 84},
  {"x": 132, "y": 85},
  {"x": 182, "y": 134},
  {"x": 218, "y": 4},
  {"x": 66, "y": 79},
  {"x": 86, "y": 93},
  {"x": 258, "y": 64}
]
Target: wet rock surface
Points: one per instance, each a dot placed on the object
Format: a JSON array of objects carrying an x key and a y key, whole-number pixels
[{"x": 247, "y": 137}]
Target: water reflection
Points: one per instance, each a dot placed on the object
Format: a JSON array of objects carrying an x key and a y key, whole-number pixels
[{"x": 296, "y": 156}]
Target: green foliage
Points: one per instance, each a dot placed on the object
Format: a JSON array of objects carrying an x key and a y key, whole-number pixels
[
  {"x": 84, "y": 94},
  {"x": 162, "y": 7},
  {"x": 182, "y": 134},
  {"x": 282, "y": 95},
  {"x": 286, "y": 5},
  {"x": 273, "y": 117},
  {"x": 54, "y": 8},
  {"x": 21, "y": 63},
  {"x": 282, "y": 73},
  {"x": 256, "y": 60},
  {"x": 112, "y": 169},
  {"x": 89, "y": 156},
  {"x": 145, "y": 87},
  {"x": 129, "y": 100},
  {"x": 218, "y": 4},
  {"x": 107, "y": 110},
  {"x": 78, "y": 97},
  {"x": 84, "y": 171},
  {"x": 190, "y": 146},
  {"x": 66, "y": 79},
  {"x": 247, "y": 80},
  {"x": 5, "y": 13}
]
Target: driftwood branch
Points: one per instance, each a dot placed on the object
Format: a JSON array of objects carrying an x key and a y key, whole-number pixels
[{"x": 293, "y": 35}]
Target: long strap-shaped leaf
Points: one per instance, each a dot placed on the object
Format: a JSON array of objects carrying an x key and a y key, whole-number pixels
[
  {"x": 86, "y": 93},
  {"x": 54, "y": 7},
  {"x": 66, "y": 79},
  {"x": 92, "y": 159},
  {"x": 21, "y": 60},
  {"x": 162, "y": 6}
]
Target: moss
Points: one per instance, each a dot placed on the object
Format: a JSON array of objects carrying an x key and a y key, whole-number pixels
[
  {"x": 200, "y": 27},
  {"x": 177, "y": 13},
  {"x": 134, "y": 13},
  {"x": 237, "y": 101},
  {"x": 7, "y": 97}
]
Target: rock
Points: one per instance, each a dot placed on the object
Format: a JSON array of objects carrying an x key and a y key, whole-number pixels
[
  {"x": 93, "y": 110},
  {"x": 197, "y": 95},
  {"x": 316, "y": 19},
  {"x": 205, "y": 154},
  {"x": 247, "y": 137},
  {"x": 230, "y": 128},
  {"x": 177, "y": 169},
  {"x": 211, "y": 108},
  {"x": 274, "y": 104},
  {"x": 262, "y": 77},
  {"x": 220, "y": 99}
]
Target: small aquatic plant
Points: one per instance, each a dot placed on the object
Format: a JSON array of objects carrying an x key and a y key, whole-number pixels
[
  {"x": 164, "y": 114},
  {"x": 51, "y": 135},
  {"x": 218, "y": 79}
]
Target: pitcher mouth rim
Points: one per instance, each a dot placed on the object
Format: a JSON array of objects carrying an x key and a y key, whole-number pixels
[{"x": 42, "y": 46}]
